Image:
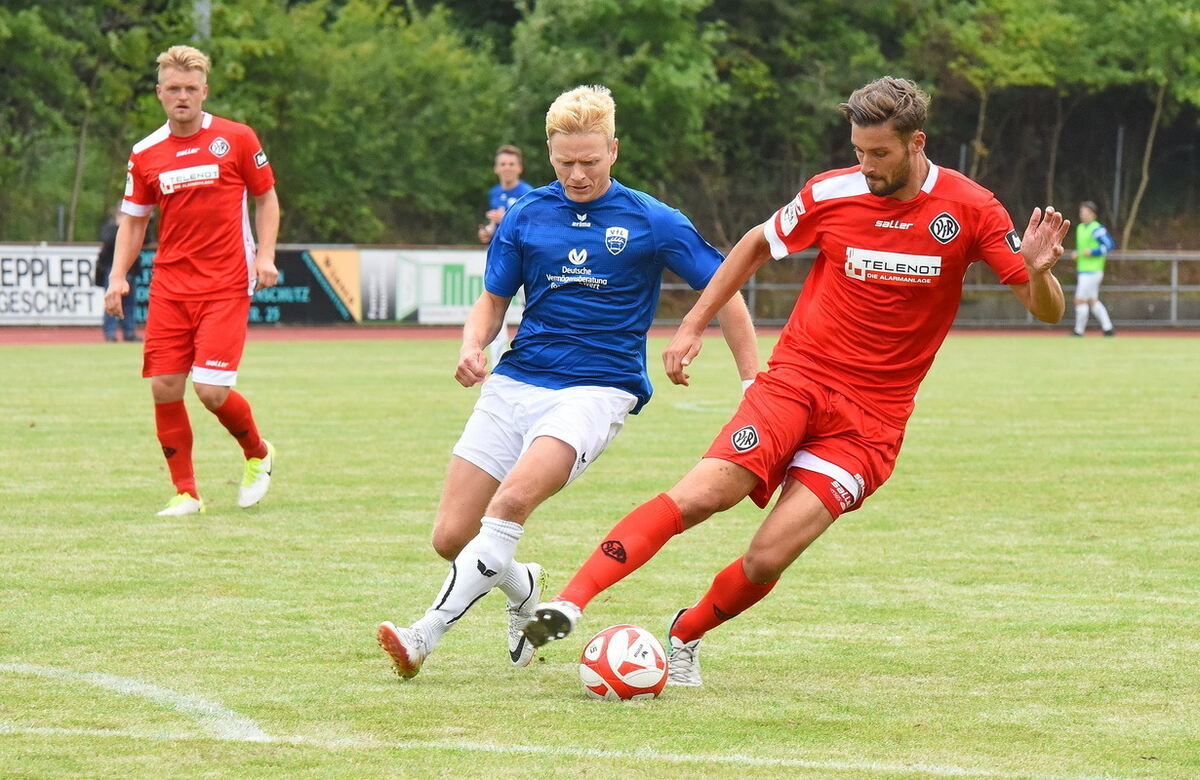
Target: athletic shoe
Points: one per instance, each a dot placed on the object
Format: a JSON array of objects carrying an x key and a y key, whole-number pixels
[
  {"x": 520, "y": 650},
  {"x": 683, "y": 664},
  {"x": 551, "y": 620},
  {"x": 182, "y": 504},
  {"x": 406, "y": 646},
  {"x": 1075, "y": 334},
  {"x": 257, "y": 478},
  {"x": 1110, "y": 332}
]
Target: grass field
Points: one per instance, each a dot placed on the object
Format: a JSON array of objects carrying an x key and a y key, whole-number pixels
[{"x": 1021, "y": 600}]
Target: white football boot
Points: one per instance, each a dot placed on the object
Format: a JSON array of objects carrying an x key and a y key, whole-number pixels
[
  {"x": 256, "y": 480},
  {"x": 182, "y": 504},
  {"x": 405, "y": 646},
  {"x": 520, "y": 649},
  {"x": 551, "y": 620},
  {"x": 683, "y": 663}
]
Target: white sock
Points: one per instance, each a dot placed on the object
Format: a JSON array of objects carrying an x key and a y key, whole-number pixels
[
  {"x": 1101, "y": 314},
  {"x": 1081, "y": 312},
  {"x": 473, "y": 573},
  {"x": 516, "y": 583}
]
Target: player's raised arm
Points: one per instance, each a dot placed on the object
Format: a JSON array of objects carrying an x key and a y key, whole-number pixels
[
  {"x": 1041, "y": 246},
  {"x": 483, "y": 323},
  {"x": 746, "y": 257}
]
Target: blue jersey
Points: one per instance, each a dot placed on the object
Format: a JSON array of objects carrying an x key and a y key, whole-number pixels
[
  {"x": 500, "y": 198},
  {"x": 591, "y": 273}
]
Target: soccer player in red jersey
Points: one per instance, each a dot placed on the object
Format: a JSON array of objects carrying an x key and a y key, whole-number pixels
[
  {"x": 826, "y": 420},
  {"x": 197, "y": 169}
]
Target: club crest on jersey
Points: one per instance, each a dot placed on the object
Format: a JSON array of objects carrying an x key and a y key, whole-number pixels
[
  {"x": 577, "y": 256},
  {"x": 615, "y": 238},
  {"x": 1014, "y": 241},
  {"x": 744, "y": 439},
  {"x": 219, "y": 147},
  {"x": 944, "y": 228}
]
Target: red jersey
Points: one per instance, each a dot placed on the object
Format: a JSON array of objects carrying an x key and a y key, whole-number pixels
[
  {"x": 199, "y": 183},
  {"x": 887, "y": 281}
]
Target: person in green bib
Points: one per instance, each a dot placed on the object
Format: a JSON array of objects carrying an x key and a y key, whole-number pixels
[{"x": 1092, "y": 245}]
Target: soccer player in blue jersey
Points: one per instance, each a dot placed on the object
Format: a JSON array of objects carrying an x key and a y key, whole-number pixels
[
  {"x": 589, "y": 253},
  {"x": 508, "y": 166}
]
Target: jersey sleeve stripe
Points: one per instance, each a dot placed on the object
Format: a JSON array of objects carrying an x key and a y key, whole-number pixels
[
  {"x": 136, "y": 209},
  {"x": 778, "y": 249}
]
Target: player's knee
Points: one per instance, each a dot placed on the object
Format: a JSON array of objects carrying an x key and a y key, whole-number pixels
[
  {"x": 448, "y": 543},
  {"x": 697, "y": 505},
  {"x": 212, "y": 396},
  {"x": 763, "y": 566}
]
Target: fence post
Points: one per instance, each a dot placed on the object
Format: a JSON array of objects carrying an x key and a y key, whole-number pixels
[{"x": 1174, "y": 290}]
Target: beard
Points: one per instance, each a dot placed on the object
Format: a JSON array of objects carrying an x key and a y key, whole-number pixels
[{"x": 888, "y": 186}]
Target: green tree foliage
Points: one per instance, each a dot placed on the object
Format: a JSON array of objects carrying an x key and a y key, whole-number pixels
[
  {"x": 380, "y": 126},
  {"x": 381, "y": 116},
  {"x": 786, "y": 65},
  {"x": 654, "y": 56}
]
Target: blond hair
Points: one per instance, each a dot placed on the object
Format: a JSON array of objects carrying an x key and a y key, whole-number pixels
[
  {"x": 585, "y": 109},
  {"x": 183, "y": 58},
  {"x": 888, "y": 99}
]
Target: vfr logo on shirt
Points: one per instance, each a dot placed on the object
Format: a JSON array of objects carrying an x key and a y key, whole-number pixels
[
  {"x": 944, "y": 227},
  {"x": 219, "y": 147},
  {"x": 871, "y": 265},
  {"x": 615, "y": 238},
  {"x": 183, "y": 178}
]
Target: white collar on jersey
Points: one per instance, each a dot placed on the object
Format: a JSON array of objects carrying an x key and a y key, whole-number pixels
[{"x": 930, "y": 178}]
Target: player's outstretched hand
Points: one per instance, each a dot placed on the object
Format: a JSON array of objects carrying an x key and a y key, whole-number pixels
[
  {"x": 679, "y": 354},
  {"x": 1041, "y": 246},
  {"x": 472, "y": 367},
  {"x": 117, "y": 289}
]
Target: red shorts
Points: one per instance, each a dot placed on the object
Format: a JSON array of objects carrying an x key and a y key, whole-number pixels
[
  {"x": 834, "y": 447},
  {"x": 204, "y": 337}
]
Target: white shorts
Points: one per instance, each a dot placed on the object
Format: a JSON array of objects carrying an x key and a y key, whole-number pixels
[
  {"x": 1087, "y": 285},
  {"x": 509, "y": 415}
]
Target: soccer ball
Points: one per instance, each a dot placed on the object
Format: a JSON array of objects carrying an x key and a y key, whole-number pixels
[{"x": 623, "y": 662}]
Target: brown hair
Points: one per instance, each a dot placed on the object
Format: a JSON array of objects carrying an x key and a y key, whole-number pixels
[
  {"x": 510, "y": 149},
  {"x": 888, "y": 99}
]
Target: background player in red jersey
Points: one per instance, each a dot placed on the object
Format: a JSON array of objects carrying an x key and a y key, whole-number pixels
[
  {"x": 826, "y": 420},
  {"x": 197, "y": 169}
]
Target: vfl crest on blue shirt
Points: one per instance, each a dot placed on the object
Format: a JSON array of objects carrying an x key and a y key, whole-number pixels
[{"x": 615, "y": 238}]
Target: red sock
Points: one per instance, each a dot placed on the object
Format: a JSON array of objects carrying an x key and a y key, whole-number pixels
[
  {"x": 175, "y": 436},
  {"x": 730, "y": 594},
  {"x": 630, "y": 543},
  {"x": 235, "y": 415}
]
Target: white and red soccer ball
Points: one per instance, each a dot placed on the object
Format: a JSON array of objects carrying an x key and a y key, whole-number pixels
[{"x": 623, "y": 662}]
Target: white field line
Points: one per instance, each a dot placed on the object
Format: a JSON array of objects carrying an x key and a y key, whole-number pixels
[
  {"x": 218, "y": 721},
  {"x": 928, "y": 770},
  {"x": 224, "y": 724}
]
